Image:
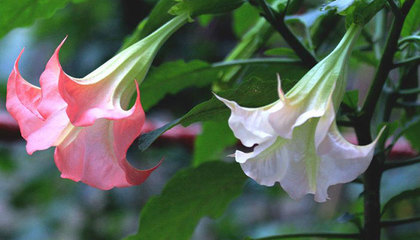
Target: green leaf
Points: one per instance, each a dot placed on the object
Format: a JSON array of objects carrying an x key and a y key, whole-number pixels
[
  {"x": 364, "y": 57},
  {"x": 198, "y": 7},
  {"x": 254, "y": 39},
  {"x": 412, "y": 21},
  {"x": 357, "y": 11},
  {"x": 244, "y": 18},
  {"x": 214, "y": 138},
  {"x": 147, "y": 139},
  {"x": 409, "y": 194},
  {"x": 282, "y": 51},
  {"x": 411, "y": 133},
  {"x": 205, "y": 20},
  {"x": 171, "y": 77},
  {"x": 190, "y": 195},
  {"x": 351, "y": 99},
  {"x": 23, "y": 13},
  {"x": 364, "y": 11},
  {"x": 7, "y": 164}
]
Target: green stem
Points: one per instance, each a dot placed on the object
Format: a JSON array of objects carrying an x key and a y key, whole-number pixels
[
  {"x": 403, "y": 163},
  {"x": 403, "y": 104},
  {"x": 386, "y": 63},
  {"x": 391, "y": 223},
  {"x": 395, "y": 9},
  {"x": 312, "y": 235},
  {"x": 253, "y": 61},
  {"x": 278, "y": 23},
  {"x": 379, "y": 32},
  {"x": 372, "y": 177},
  {"x": 415, "y": 60},
  {"x": 409, "y": 91}
]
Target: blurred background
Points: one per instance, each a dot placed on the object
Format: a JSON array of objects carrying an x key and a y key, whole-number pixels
[{"x": 35, "y": 203}]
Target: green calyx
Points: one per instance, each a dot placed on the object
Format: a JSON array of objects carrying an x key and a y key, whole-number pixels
[{"x": 327, "y": 77}]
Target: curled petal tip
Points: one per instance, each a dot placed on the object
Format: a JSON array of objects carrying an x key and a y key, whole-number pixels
[
  {"x": 279, "y": 89},
  {"x": 16, "y": 65},
  {"x": 228, "y": 103},
  {"x": 379, "y": 134}
]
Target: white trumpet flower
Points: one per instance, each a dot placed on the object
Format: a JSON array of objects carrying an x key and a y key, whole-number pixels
[{"x": 296, "y": 140}]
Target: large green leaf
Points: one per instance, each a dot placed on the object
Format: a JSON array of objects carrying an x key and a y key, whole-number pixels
[
  {"x": 244, "y": 18},
  {"x": 198, "y": 7},
  {"x": 214, "y": 138},
  {"x": 23, "y": 13},
  {"x": 359, "y": 12},
  {"x": 190, "y": 195},
  {"x": 405, "y": 195},
  {"x": 171, "y": 77},
  {"x": 412, "y": 21},
  {"x": 411, "y": 132}
]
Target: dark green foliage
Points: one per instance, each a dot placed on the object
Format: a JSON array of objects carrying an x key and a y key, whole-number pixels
[
  {"x": 23, "y": 13},
  {"x": 190, "y": 195},
  {"x": 406, "y": 195},
  {"x": 197, "y": 7},
  {"x": 171, "y": 77},
  {"x": 351, "y": 99},
  {"x": 209, "y": 145}
]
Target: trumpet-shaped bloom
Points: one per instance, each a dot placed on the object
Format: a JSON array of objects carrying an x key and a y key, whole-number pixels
[
  {"x": 105, "y": 92},
  {"x": 87, "y": 119},
  {"x": 296, "y": 141}
]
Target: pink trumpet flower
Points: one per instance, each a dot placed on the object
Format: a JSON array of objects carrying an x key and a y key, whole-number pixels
[
  {"x": 87, "y": 119},
  {"x": 96, "y": 154}
]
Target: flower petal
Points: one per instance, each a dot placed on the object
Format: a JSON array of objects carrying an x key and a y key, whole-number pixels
[
  {"x": 296, "y": 181},
  {"x": 324, "y": 123},
  {"x": 97, "y": 155},
  {"x": 341, "y": 161},
  {"x": 51, "y": 100},
  {"x": 268, "y": 163},
  {"x": 300, "y": 178},
  {"x": 299, "y": 109},
  {"x": 21, "y": 102},
  {"x": 89, "y": 102},
  {"x": 49, "y": 134},
  {"x": 250, "y": 125}
]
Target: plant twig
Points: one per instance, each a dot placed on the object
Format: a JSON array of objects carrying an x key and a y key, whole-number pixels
[
  {"x": 278, "y": 23},
  {"x": 409, "y": 91},
  {"x": 403, "y": 163},
  {"x": 386, "y": 63},
  {"x": 391, "y": 223},
  {"x": 372, "y": 177},
  {"x": 395, "y": 9},
  {"x": 403, "y": 104},
  {"x": 255, "y": 61},
  {"x": 312, "y": 235},
  {"x": 415, "y": 60}
]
